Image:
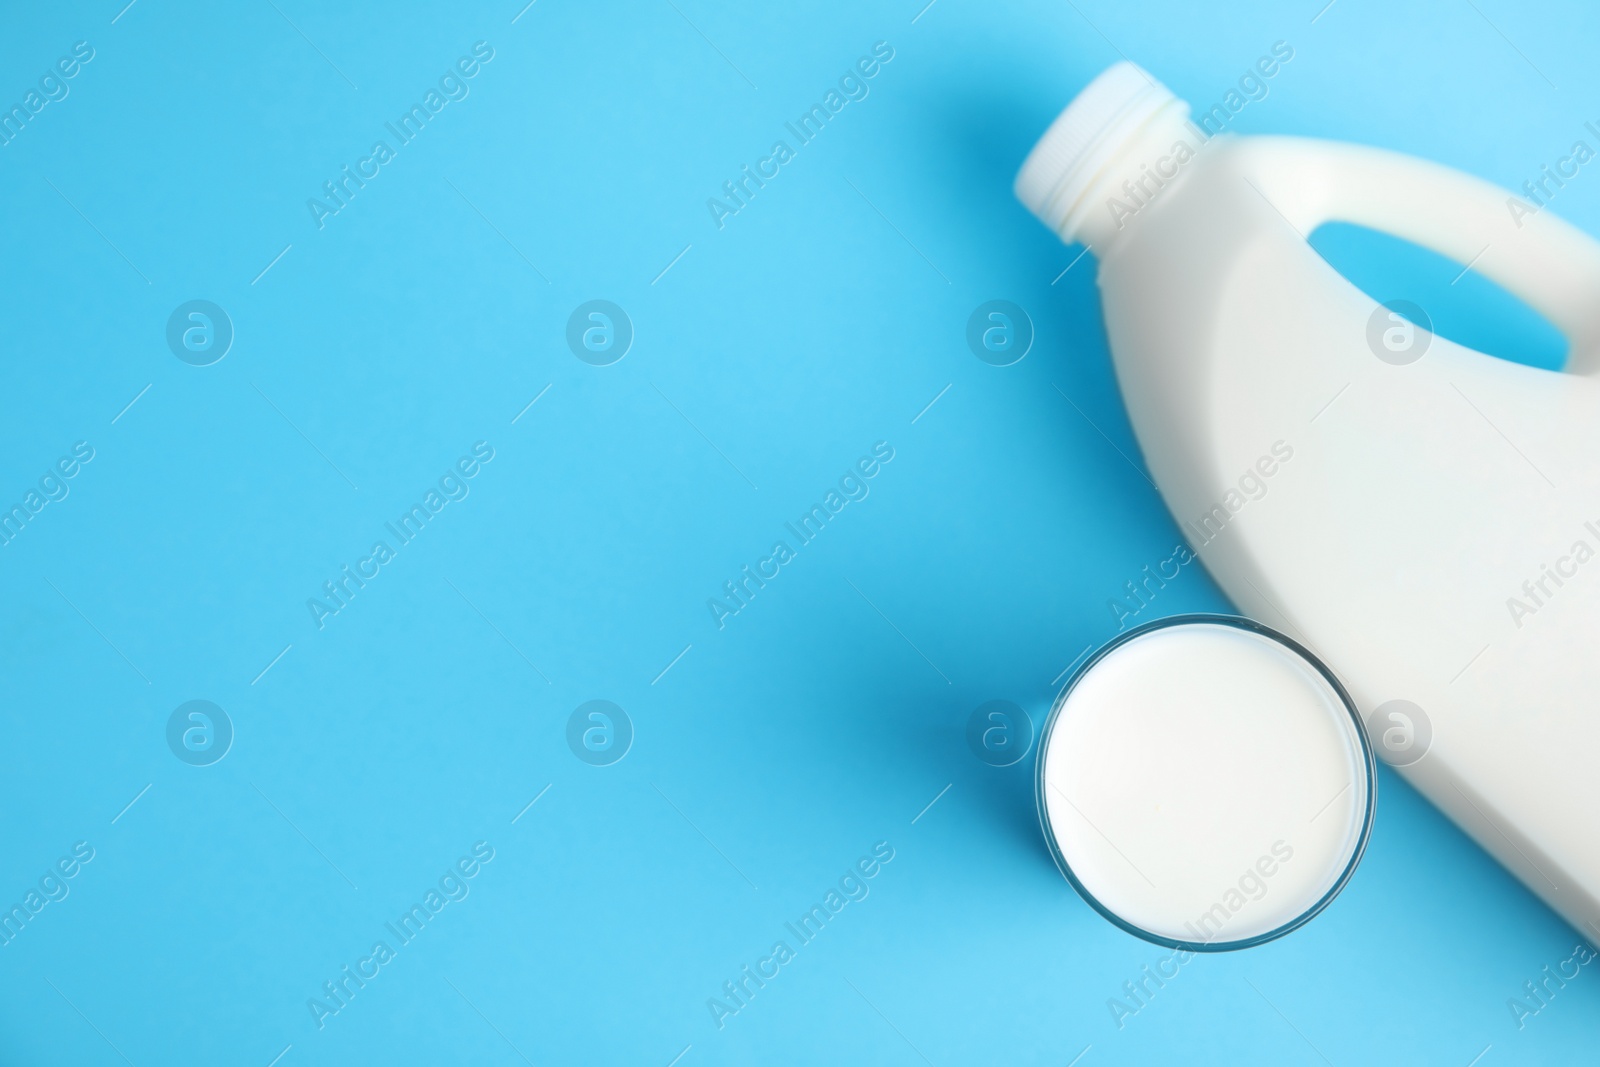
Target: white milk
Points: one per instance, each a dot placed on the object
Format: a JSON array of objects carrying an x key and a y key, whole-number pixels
[{"x": 1205, "y": 783}]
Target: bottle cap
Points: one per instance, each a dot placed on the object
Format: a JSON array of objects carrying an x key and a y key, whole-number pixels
[{"x": 1084, "y": 138}]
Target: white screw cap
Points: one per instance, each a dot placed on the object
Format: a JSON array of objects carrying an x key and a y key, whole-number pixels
[{"x": 1084, "y": 138}]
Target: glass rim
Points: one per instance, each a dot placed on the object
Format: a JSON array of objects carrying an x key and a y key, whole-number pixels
[{"x": 1367, "y": 761}]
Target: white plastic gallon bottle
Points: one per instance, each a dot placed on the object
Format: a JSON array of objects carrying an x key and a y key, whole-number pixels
[{"x": 1425, "y": 517}]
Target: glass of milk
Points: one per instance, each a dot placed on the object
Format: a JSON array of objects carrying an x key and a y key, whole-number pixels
[{"x": 1204, "y": 783}]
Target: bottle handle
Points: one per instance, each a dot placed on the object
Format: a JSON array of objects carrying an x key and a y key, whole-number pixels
[{"x": 1547, "y": 262}]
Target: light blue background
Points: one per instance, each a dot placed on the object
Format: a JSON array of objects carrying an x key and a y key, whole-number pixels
[{"x": 823, "y": 718}]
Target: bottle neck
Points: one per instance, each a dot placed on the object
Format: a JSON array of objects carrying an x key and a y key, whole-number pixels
[{"x": 1152, "y": 161}]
